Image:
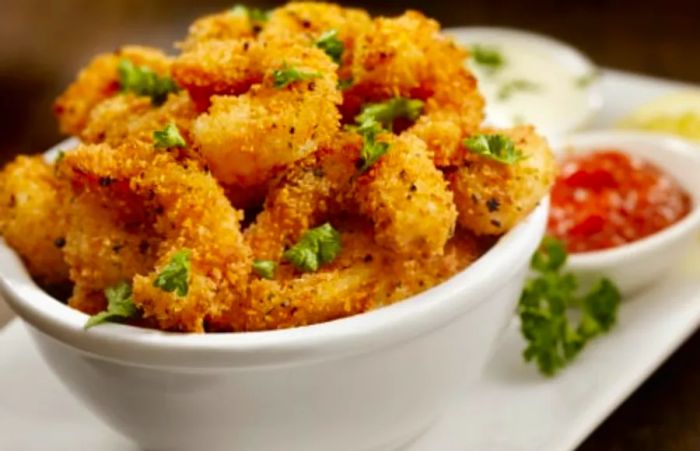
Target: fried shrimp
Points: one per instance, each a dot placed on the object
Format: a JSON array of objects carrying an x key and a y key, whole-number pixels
[
  {"x": 303, "y": 196},
  {"x": 344, "y": 138},
  {"x": 492, "y": 197},
  {"x": 128, "y": 117},
  {"x": 408, "y": 199},
  {"x": 230, "y": 24},
  {"x": 33, "y": 217},
  {"x": 99, "y": 81},
  {"x": 294, "y": 111}
]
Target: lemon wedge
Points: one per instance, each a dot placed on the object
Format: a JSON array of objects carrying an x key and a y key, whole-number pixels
[{"x": 677, "y": 113}]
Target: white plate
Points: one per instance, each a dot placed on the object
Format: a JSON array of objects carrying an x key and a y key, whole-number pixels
[{"x": 516, "y": 409}]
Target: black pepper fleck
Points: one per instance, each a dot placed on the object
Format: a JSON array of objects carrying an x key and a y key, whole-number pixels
[
  {"x": 59, "y": 242},
  {"x": 493, "y": 204}
]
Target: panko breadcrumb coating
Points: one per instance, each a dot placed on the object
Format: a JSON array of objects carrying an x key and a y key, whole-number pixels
[
  {"x": 33, "y": 216},
  {"x": 100, "y": 81},
  {"x": 408, "y": 200},
  {"x": 342, "y": 137},
  {"x": 492, "y": 197}
]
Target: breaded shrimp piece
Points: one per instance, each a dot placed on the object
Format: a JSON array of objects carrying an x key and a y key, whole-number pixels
[
  {"x": 408, "y": 199},
  {"x": 33, "y": 217},
  {"x": 196, "y": 216},
  {"x": 185, "y": 209},
  {"x": 492, "y": 197},
  {"x": 130, "y": 117},
  {"x": 99, "y": 81},
  {"x": 306, "y": 193},
  {"x": 244, "y": 139},
  {"x": 219, "y": 67},
  {"x": 308, "y": 21},
  {"x": 229, "y": 24}
]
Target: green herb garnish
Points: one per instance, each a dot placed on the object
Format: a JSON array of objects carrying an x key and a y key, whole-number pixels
[
  {"x": 255, "y": 15},
  {"x": 546, "y": 303},
  {"x": 489, "y": 57},
  {"x": 287, "y": 75},
  {"x": 497, "y": 147},
  {"x": 265, "y": 268},
  {"x": 317, "y": 247},
  {"x": 120, "y": 306},
  {"x": 142, "y": 81},
  {"x": 168, "y": 137},
  {"x": 329, "y": 43},
  {"x": 175, "y": 275},
  {"x": 345, "y": 84},
  {"x": 386, "y": 112},
  {"x": 372, "y": 150},
  {"x": 514, "y": 86}
]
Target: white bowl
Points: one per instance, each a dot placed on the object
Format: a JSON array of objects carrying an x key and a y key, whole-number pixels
[
  {"x": 570, "y": 59},
  {"x": 369, "y": 382},
  {"x": 636, "y": 265}
]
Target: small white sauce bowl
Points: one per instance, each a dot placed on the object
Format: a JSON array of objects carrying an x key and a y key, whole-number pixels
[
  {"x": 563, "y": 54},
  {"x": 368, "y": 382},
  {"x": 639, "y": 264}
]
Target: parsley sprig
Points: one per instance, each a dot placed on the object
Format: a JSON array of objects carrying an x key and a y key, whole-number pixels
[
  {"x": 254, "y": 15},
  {"x": 175, "y": 275},
  {"x": 315, "y": 248},
  {"x": 547, "y": 302},
  {"x": 142, "y": 81},
  {"x": 168, "y": 137},
  {"x": 377, "y": 117},
  {"x": 488, "y": 57},
  {"x": 265, "y": 268},
  {"x": 496, "y": 147},
  {"x": 329, "y": 43},
  {"x": 287, "y": 75},
  {"x": 120, "y": 306}
]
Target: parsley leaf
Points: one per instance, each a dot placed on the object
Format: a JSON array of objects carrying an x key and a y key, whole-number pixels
[
  {"x": 120, "y": 306},
  {"x": 329, "y": 43},
  {"x": 142, "y": 81},
  {"x": 544, "y": 307},
  {"x": 345, "y": 84},
  {"x": 287, "y": 75},
  {"x": 489, "y": 57},
  {"x": 497, "y": 147},
  {"x": 175, "y": 275},
  {"x": 168, "y": 137},
  {"x": 317, "y": 247},
  {"x": 255, "y": 15},
  {"x": 513, "y": 86},
  {"x": 375, "y": 118},
  {"x": 265, "y": 268},
  {"x": 386, "y": 112}
]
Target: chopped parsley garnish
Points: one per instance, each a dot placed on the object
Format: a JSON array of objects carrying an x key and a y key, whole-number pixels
[
  {"x": 315, "y": 248},
  {"x": 61, "y": 155},
  {"x": 585, "y": 81},
  {"x": 255, "y": 15},
  {"x": 120, "y": 306},
  {"x": 489, "y": 57},
  {"x": 372, "y": 150},
  {"x": 496, "y": 147},
  {"x": 142, "y": 81},
  {"x": 175, "y": 275},
  {"x": 168, "y": 137},
  {"x": 329, "y": 43},
  {"x": 265, "y": 268},
  {"x": 386, "y": 112},
  {"x": 548, "y": 300},
  {"x": 511, "y": 87},
  {"x": 377, "y": 117},
  {"x": 287, "y": 75}
]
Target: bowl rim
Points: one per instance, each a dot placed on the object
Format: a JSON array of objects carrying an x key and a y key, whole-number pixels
[
  {"x": 397, "y": 322},
  {"x": 625, "y": 141},
  {"x": 564, "y": 50}
]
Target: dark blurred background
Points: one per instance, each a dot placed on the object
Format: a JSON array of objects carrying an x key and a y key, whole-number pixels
[{"x": 43, "y": 43}]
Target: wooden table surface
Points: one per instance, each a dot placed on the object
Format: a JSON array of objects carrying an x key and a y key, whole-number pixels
[{"x": 43, "y": 43}]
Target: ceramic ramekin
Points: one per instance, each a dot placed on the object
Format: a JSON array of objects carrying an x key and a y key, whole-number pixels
[
  {"x": 368, "y": 382},
  {"x": 636, "y": 265}
]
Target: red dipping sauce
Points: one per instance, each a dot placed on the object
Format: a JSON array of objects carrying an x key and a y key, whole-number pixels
[{"x": 606, "y": 198}]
